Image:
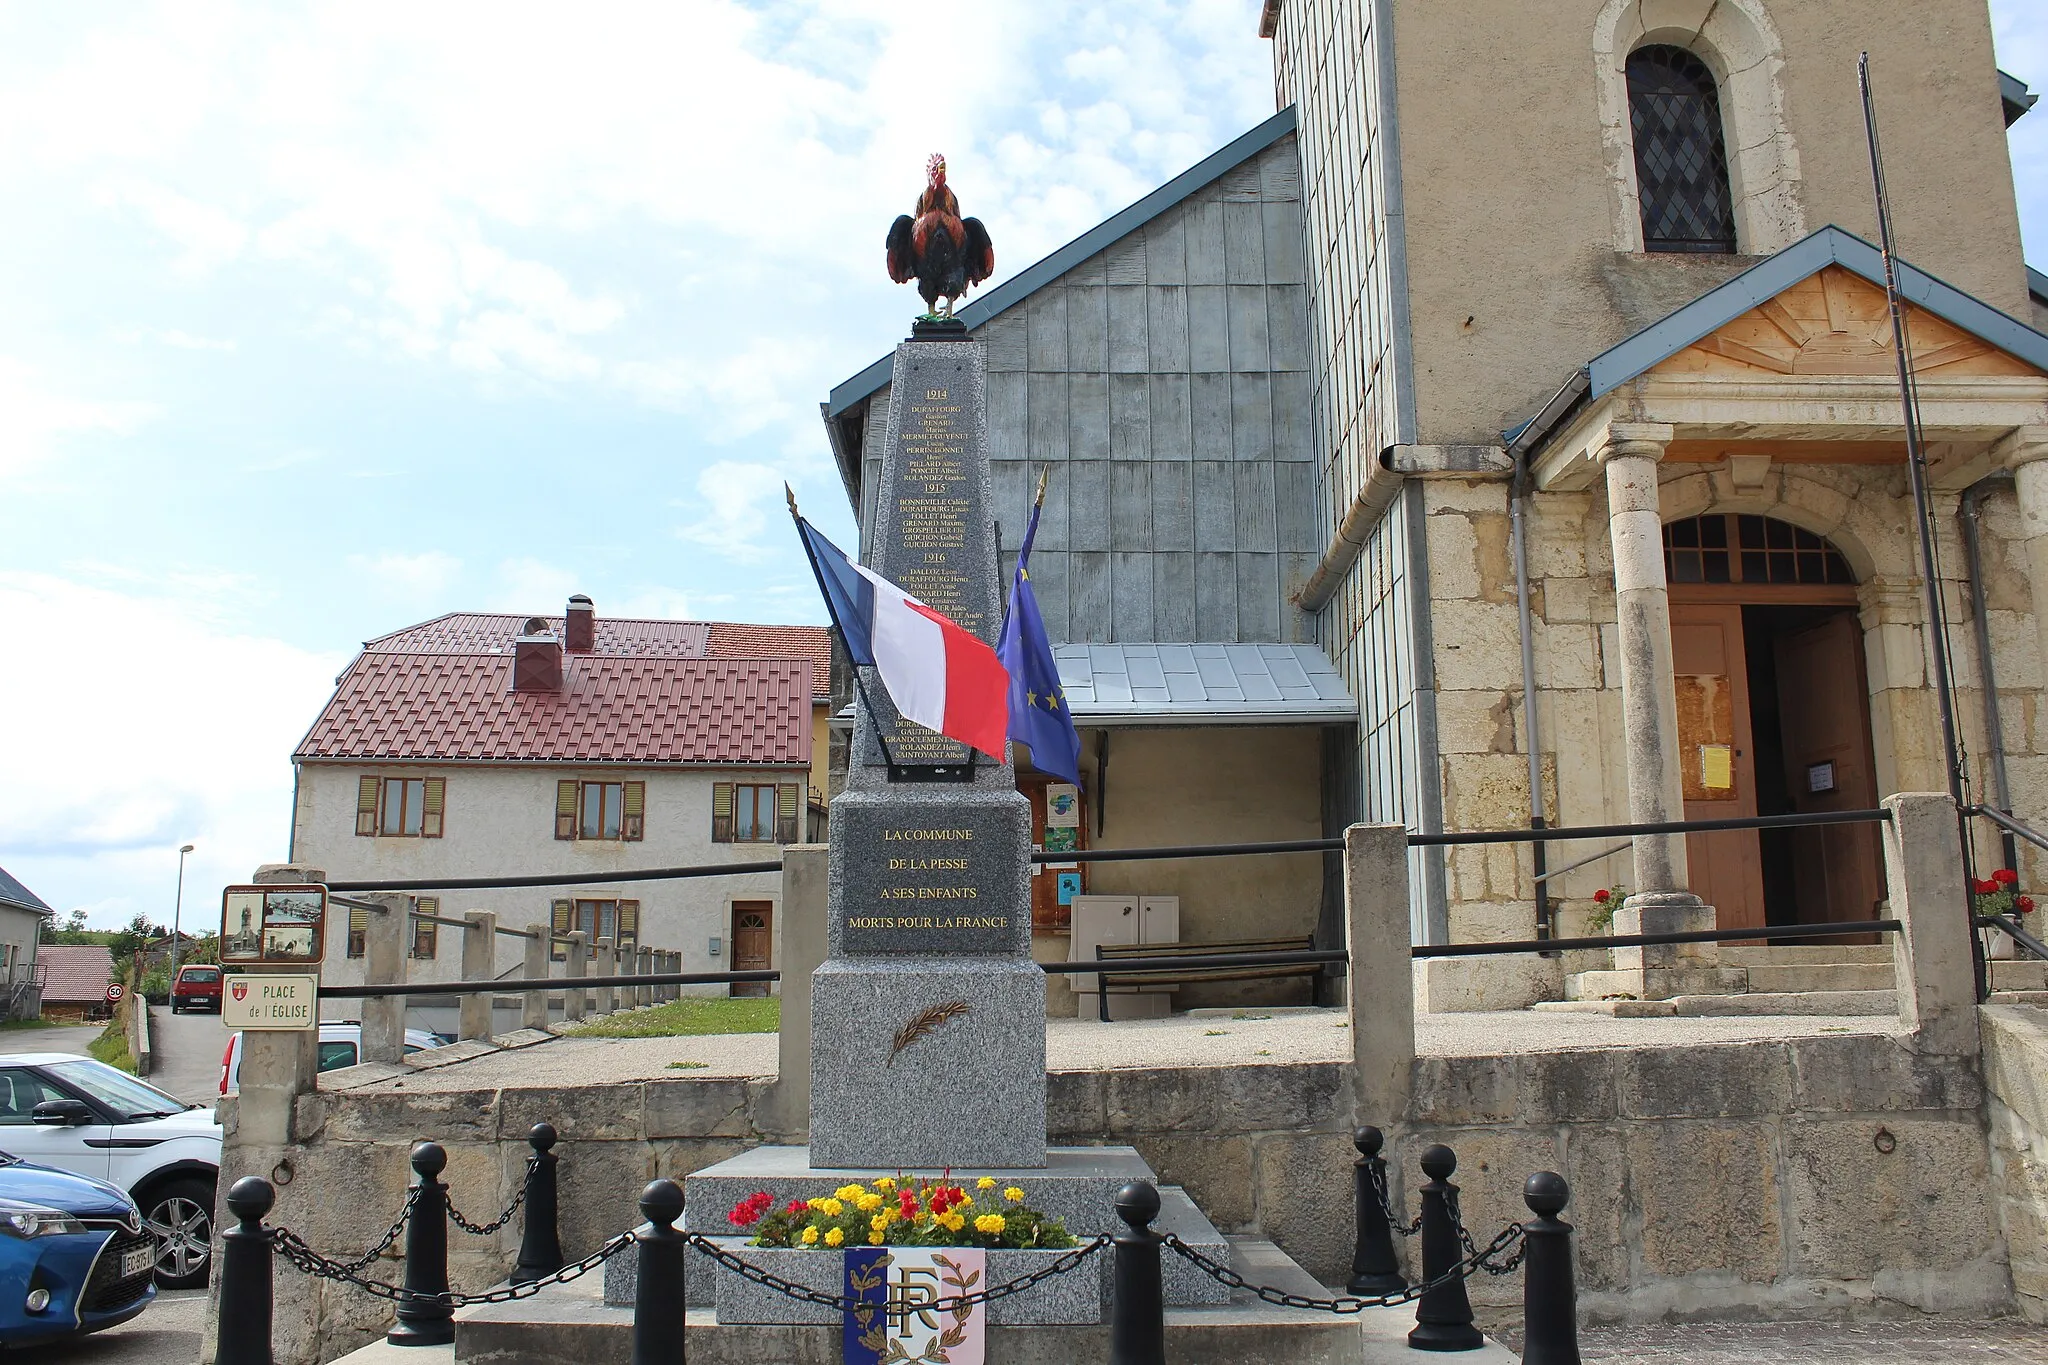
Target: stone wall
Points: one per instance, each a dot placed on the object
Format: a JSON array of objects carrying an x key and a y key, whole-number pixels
[
  {"x": 1737, "y": 1180},
  {"x": 2016, "y": 1076}
]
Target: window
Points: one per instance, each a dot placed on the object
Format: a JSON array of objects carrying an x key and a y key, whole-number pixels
[
  {"x": 600, "y": 810},
  {"x": 20, "y": 1093},
  {"x": 617, "y": 920},
  {"x": 1681, "y": 155},
  {"x": 358, "y": 932},
  {"x": 426, "y": 935},
  {"x": 1723, "y": 548},
  {"x": 336, "y": 1055},
  {"x": 400, "y": 807},
  {"x": 755, "y": 813}
]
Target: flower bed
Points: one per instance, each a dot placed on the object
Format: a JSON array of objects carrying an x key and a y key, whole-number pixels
[{"x": 902, "y": 1212}]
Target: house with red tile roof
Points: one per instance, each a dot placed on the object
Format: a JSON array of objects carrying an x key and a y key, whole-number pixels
[
  {"x": 22, "y": 916},
  {"x": 481, "y": 744},
  {"x": 75, "y": 977}
]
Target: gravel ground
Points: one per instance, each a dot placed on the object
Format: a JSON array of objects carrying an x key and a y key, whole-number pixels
[
  {"x": 1245, "y": 1038},
  {"x": 1876, "y": 1343}
]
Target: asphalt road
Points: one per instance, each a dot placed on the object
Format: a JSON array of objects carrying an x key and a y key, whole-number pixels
[
  {"x": 73, "y": 1040},
  {"x": 167, "y": 1333},
  {"x": 188, "y": 1049}
]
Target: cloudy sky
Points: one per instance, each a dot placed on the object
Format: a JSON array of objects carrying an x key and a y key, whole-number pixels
[{"x": 321, "y": 319}]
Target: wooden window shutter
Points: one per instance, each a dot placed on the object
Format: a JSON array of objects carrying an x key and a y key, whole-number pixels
[
  {"x": 434, "y": 793},
  {"x": 629, "y": 923},
  {"x": 634, "y": 826},
  {"x": 366, "y": 804},
  {"x": 789, "y": 804},
  {"x": 426, "y": 935},
  {"x": 562, "y": 919},
  {"x": 358, "y": 932},
  {"x": 721, "y": 812},
  {"x": 565, "y": 808}
]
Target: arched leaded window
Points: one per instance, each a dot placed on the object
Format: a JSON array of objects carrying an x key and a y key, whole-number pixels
[
  {"x": 1737, "y": 548},
  {"x": 1681, "y": 156}
]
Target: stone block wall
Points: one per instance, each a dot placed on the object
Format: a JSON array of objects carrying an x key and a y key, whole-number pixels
[
  {"x": 2016, "y": 1076},
  {"x": 1811, "y": 1177}
]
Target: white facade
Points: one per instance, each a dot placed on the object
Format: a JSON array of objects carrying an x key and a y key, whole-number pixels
[{"x": 499, "y": 820}]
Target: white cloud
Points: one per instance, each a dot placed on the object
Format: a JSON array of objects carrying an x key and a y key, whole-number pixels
[
  {"x": 739, "y": 499},
  {"x": 206, "y": 236},
  {"x": 153, "y": 726},
  {"x": 35, "y": 418},
  {"x": 531, "y": 585},
  {"x": 422, "y": 580}
]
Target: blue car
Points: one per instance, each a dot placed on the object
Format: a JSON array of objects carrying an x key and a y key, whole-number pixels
[{"x": 74, "y": 1255}]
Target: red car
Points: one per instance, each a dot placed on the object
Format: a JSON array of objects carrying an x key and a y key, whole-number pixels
[{"x": 197, "y": 987}]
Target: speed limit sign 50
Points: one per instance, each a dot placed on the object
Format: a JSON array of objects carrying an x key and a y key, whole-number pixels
[{"x": 115, "y": 990}]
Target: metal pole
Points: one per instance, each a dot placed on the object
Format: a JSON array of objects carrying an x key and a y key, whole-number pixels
[
  {"x": 1443, "y": 1317},
  {"x": 1916, "y": 470},
  {"x": 1137, "y": 1310},
  {"x": 540, "y": 1242},
  {"x": 1550, "y": 1310},
  {"x": 1374, "y": 1267},
  {"x": 242, "y": 1329},
  {"x": 426, "y": 1322},
  {"x": 1518, "y": 496},
  {"x": 658, "y": 1307},
  {"x": 178, "y": 912}
]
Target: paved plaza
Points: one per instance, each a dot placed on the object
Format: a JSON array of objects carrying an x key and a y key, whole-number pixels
[{"x": 1876, "y": 1343}]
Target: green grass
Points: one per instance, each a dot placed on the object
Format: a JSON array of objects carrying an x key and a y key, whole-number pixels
[
  {"x": 9, "y": 1024},
  {"x": 690, "y": 1017},
  {"x": 111, "y": 1047}
]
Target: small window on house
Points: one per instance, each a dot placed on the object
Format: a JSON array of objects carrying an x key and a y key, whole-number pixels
[
  {"x": 426, "y": 935},
  {"x": 1681, "y": 154},
  {"x": 1724, "y": 548},
  {"x": 756, "y": 813},
  {"x": 400, "y": 807},
  {"x": 753, "y": 814},
  {"x": 358, "y": 932},
  {"x": 617, "y": 920},
  {"x": 600, "y": 810}
]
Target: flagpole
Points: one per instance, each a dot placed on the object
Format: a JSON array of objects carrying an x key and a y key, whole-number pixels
[{"x": 860, "y": 687}]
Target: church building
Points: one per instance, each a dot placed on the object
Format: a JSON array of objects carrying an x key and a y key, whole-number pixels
[{"x": 1509, "y": 430}]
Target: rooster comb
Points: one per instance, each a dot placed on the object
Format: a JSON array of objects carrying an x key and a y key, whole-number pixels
[{"x": 935, "y": 164}]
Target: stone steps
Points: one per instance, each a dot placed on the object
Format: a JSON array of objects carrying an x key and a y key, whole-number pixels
[
  {"x": 572, "y": 1325},
  {"x": 1791, "y": 954},
  {"x": 1821, "y": 976},
  {"x": 1735, "y": 1006},
  {"x": 2019, "y": 975}
]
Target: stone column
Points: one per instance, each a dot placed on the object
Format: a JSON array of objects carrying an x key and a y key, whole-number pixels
[
  {"x": 605, "y": 963},
  {"x": 1660, "y": 900},
  {"x": 1379, "y": 995},
  {"x": 386, "y": 935},
  {"x": 479, "y": 963},
  {"x": 576, "y": 1000},
  {"x": 2025, "y": 452},
  {"x": 1937, "y": 976},
  {"x": 533, "y": 1012}
]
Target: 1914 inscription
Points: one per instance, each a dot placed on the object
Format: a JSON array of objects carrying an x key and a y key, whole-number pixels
[{"x": 927, "y": 896}]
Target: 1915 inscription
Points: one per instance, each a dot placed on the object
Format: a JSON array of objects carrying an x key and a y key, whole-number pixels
[{"x": 927, "y": 897}]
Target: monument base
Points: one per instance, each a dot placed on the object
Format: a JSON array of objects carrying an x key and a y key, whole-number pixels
[{"x": 920, "y": 1063}]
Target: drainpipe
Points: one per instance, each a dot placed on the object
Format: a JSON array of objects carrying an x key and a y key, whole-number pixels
[
  {"x": 1994, "y": 727},
  {"x": 1518, "y": 496}
]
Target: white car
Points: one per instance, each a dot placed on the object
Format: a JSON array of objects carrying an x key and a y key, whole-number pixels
[
  {"x": 83, "y": 1116},
  {"x": 340, "y": 1046}
]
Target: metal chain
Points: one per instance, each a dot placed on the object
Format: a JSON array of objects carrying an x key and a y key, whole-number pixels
[
  {"x": 412, "y": 1199},
  {"x": 487, "y": 1229},
  {"x": 844, "y": 1304},
  {"x": 1222, "y": 1274},
  {"x": 310, "y": 1262},
  {"x": 1377, "y": 1174},
  {"x": 1507, "y": 1267}
]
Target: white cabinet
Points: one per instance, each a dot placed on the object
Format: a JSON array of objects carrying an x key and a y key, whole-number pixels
[{"x": 1116, "y": 920}]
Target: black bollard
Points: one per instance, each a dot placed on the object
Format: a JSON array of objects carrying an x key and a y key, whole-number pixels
[
  {"x": 1443, "y": 1317},
  {"x": 1374, "y": 1267},
  {"x": 658, "y": 1305},
  {"x": 430, "y": 1323},
  {"x": 540, "y": 1244},
  {"x": 243, "y": 1333},
  {"x": 1550, "y": 1301},
  {"x": 1137, "y": 1310}
]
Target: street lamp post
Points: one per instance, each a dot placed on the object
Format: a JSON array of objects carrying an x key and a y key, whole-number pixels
[{"x": 178, "y": 909}]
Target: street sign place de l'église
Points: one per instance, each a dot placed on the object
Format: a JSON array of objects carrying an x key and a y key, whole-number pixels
[{"x": 270, "y": 1002}]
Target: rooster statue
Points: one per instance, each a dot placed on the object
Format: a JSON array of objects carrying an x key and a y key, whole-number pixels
[{"x": 942, "y": 251}]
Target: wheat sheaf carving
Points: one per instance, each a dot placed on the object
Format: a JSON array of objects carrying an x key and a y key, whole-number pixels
[{"x": 926, "y": 1022}]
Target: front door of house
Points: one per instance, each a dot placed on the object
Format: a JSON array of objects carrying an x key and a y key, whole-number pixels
[
  {"x": 1837, "y": 869},
  {"x": 752, "y": 943},
  {"x": 1717, "y": 759}
]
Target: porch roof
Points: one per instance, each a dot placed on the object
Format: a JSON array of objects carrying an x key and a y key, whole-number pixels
[
  {"x": 1754, "y": 287},
  {"x": 1202, "y": 684}
]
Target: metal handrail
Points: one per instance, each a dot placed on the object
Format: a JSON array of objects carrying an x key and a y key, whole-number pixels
[
  {"x": 591, "y": 878},
  {"x": 521, "y": 985},
  {"x": 1573, "y": 867},
  {"x": 2010, "y": 825},
  {"x": 2015, "y": 933}
]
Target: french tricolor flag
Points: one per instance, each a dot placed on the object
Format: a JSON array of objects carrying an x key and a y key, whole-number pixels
[{"x": 938, "y": 674}]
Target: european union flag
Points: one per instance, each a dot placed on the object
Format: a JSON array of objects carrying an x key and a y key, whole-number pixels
[{"x": 1038, "y": 704}]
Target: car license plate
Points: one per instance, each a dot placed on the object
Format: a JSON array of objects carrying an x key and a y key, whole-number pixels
[{"x": 136, "y": 1260}]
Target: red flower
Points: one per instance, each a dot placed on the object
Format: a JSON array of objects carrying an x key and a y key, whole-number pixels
[
  {"x": 1602, "y": 896},
  {"x": 2005, "y": 876},
  {"x": 748, "y": 1211},
  {"x": 798, "y": 1206},
  {"x": 1983, "y": 888},
  {"x": 906, "y": 1204},
  {"x": 2025, "y": 905}
]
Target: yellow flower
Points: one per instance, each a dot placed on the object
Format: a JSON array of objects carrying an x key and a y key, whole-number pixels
[
  {"x": 887, "y": 1184},
  {"x": 1014, "y": 1195},
  {"x": 868, "y": 1203},
  {"x": 849, "y": 1192},
  {"x": 810, "y": 1236},
  {"x": 985, "y": 1183},
  {"x": 874, "y": 1239},
  {"x": 952, "y": 1222},
  {"x": 878, "y": 1223},
  {"x": 990, "y": 1223},
  {"x": 831, "y": 1208},
  {"x": 834, "y": 1237}
]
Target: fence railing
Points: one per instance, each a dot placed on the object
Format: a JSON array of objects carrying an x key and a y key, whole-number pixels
[{"x": 424, "y": 1303}]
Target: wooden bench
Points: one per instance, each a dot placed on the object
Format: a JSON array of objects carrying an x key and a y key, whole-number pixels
[{"x": 1195, "y": 971}]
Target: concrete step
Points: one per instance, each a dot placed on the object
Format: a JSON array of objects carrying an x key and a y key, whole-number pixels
[
  {"x": 1822, "y": 976},
  {"x": 572, "y": 1325},
  {"x": 1787, "y": 1002},
  {"x": 1792, "y": 954},
  {"x": 2021, "y": 975},
  {"x": 2034, "y": 998}
]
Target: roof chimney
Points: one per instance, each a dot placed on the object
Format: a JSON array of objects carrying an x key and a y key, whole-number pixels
[
  {"x": 579, "y": 635},
  {"x": 537, "y": 659}
]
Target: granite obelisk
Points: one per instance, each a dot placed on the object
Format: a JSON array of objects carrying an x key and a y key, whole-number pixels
[{"x": 928, "y": 1015}]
